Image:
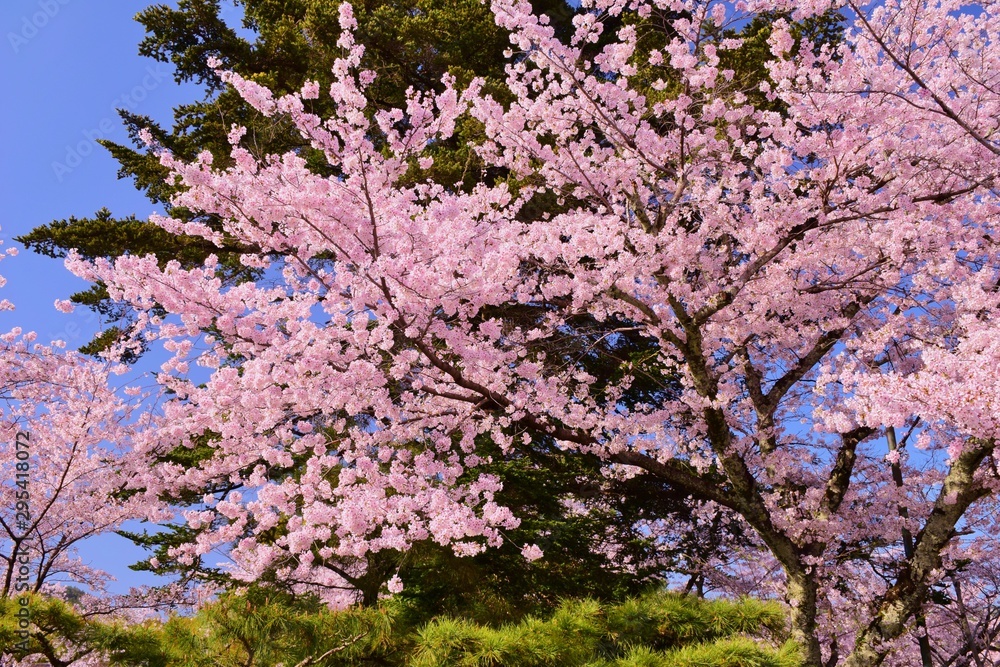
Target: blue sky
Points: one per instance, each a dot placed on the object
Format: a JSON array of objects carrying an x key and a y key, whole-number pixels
[{"x": 65, "y": 66}]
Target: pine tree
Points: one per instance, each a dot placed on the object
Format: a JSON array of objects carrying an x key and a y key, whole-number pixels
[{"x": 260, "y": 627}]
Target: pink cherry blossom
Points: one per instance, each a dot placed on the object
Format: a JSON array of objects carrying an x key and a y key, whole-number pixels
[
  {"x": 811, "y": 277},
  {"x": 531, "y": 552}
]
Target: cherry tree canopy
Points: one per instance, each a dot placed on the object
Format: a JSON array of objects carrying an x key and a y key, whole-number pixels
[
  {"x": 64, "y": 442},
  {"x": 812, "y": 258}
]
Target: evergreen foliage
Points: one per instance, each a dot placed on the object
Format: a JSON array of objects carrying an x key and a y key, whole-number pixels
[
  {"x": 61, "y": 635},
  {"x": 260, "y": 627},
  {"x": 655, "y": 629}
]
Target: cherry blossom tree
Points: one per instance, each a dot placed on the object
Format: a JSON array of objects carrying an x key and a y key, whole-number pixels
[
  {"x": 973, "y": 610},
  {"x": 64, "y": 438},
  {"x": 64, "y": 443},
  {"x": 59, "y": 433},
  {"x": 811, "y": 256}
]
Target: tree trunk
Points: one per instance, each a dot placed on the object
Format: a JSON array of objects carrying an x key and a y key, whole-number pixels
[
  {"x": 904, "y": 600},
  {"x": 801, "y": 592}
]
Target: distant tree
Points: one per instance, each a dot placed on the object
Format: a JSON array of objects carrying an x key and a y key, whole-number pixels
[{"x": 64, "y": 448}]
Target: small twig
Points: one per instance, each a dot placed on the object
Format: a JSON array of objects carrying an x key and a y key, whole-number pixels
[{"x": 336, "y": 649}]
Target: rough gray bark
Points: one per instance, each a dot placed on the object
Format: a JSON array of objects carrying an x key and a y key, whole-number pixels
[{"x": 902, "y": 602}]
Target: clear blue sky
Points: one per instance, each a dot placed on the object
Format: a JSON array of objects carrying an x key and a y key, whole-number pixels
[{"x": 65, "y": 66}]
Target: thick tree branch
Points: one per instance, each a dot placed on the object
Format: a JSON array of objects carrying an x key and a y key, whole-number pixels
[
  {"x": 843, "y": 467},
  {"x": 901, "y": 602}
]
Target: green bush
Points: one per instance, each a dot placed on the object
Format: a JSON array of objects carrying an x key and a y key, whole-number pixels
[{"x": 259, "y": 627}]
